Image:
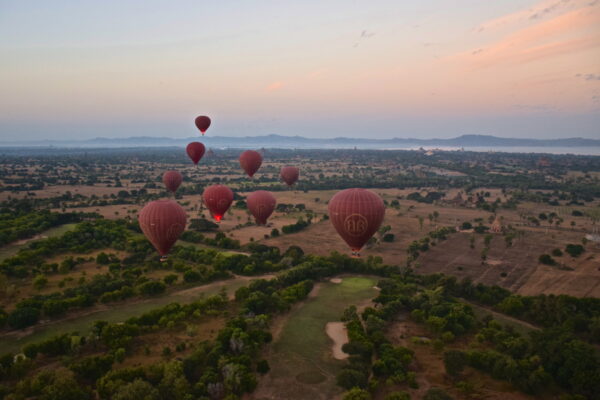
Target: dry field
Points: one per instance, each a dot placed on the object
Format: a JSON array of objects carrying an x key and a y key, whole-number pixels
[{"x": 519, "y": 266}]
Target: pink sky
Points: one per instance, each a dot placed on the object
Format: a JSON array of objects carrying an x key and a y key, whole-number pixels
[{"x": 314, "y": 68}]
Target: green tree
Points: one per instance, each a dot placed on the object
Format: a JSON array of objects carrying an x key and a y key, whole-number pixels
[
  {"x": 454, "y": 362},
  {"x": 436, "y": 394},
  {"x": 40, "y": 281},
  {"x": 357, "y": 394},
  {"x": 139, "y": 389}
]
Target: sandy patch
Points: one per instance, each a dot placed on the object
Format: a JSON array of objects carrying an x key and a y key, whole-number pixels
[
  {"x": 337, "y": 332},
  {"x": 336, "y": 280}
]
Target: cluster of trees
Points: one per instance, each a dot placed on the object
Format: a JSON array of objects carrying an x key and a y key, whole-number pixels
[
  {"x": 224, "y": 367},
  {"x": 531, "y": 363},
  {"x": 373, "y": 358},
  {"x": 87, "y": 236},
  {"x": 418, "y": 246},
  {"x": 229, "y": 364},
  {"x": 296, "y": 227},
  {"x": 16, "y": 225},
  {"x": 429, "y": 198}
]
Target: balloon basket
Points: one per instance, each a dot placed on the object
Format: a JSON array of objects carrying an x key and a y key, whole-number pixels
[{"x": 163, "y": 258}]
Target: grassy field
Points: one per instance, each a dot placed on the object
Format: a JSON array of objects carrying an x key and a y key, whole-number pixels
[
  {"x": 117, "y": 313},
  {"x": 12, "y": 249},
  {"x": 302, "y": 365}
]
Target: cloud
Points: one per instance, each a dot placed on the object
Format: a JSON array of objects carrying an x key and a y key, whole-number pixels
[
  {"x": 538, "y": 11},
  {"x": 589, "y": 77},
  {"x": 366, "y": 34},
  {"x": 534, "y": 107},
  {"x": 567, "y": 33},
  {"x": 274, "y": 86},
  {"x": 317, "y": 73}
]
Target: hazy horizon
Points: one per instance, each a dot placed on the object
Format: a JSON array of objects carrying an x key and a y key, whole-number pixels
[{"x": 380, "y": 69}]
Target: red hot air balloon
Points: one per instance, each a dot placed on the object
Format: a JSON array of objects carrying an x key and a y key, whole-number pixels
[
  {"x": 356, "y": 214},
  {"x": 250, "y": 161},
  {"x": 218, "y": 199},
  {"x": 261, "y": 204},
  {"x": 289, "y": 175},
  {"x": 195, "y": 151},
  {"x": 172, "y": 180},
  {"x": 162, "y": 221},
  {"x": 202, "y": 123}
]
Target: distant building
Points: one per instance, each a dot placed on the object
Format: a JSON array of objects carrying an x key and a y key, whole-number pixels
[
  {"x": 496, "y": 226},
  {"x": 543, "y": 162},
  {"x": 458, "y": 200}
]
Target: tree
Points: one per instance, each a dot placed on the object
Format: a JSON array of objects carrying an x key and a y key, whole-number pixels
[
  {"x": 574, "y": 250},
  {"x": 398, "y": 396},
  {"x": 152, "y": 288},
  {"x": 357, "y": 394},
  {"x": 139, "y": 389},
  {"x": 454, "y": 362},
  {"x": 102, "y": 258},
  {"x": 547, "y": 259},
  {"x": 436, "y": 394},
  {"x": 23, "y": 317},
  {"x": 40, "y": 281},
  {"x": 60, "y": 384},
  {"x": 349, "y": 378},
  {"x": 262, "y": 367}
]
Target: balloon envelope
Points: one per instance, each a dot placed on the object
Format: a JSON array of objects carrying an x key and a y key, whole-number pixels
[
  {"x": 202, "y": 123},
  {"x": 250, "y": 161},
  {"x": 218, "y": 199},
  {"x": 261, "y": 204},
  {"x": 356, "y": 214},
  {"x": 195, "y": 151},
  {"x": 172, "y": 180},
  {"x": 289, "y": 175},
  {"x": 162, "y": 222}
]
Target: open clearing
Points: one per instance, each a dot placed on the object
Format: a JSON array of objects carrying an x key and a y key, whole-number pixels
[{"x": 301, "y": 358}]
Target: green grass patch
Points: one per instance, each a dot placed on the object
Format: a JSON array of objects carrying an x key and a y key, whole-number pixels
[{"x": 303, "y": 350}]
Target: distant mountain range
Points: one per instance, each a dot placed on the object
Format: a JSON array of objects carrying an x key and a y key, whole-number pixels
[{"x": 299, "y": 142}]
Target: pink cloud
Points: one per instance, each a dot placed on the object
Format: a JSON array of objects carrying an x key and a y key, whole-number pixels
[
  {"x": 274, "y": 86},
  {"x": 570, "y": 32},
  {"x": 537, "y": 11}
]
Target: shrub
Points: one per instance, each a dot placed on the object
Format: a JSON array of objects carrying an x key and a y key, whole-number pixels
[
  {"x": 547, "y": 259},
  {"x": 388, "y": 237},
  {"x": 262, "y": 367},
  {"x": 557, "y": 252},
  {"x": 574, "y": 250}
]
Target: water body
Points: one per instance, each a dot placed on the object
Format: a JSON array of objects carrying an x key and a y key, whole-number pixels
[{"x": 579, "y": 151}]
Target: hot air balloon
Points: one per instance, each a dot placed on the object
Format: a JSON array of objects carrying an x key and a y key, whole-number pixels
[
  {"x": 172, "y": 180},
  {"x": 261, "y": 204},
  {"x": 218, "y": 199},
  {"x": 250, "y": 161},
  {"x": 289, "y": 175},
  {"x": 195, "y": 151},
  {"x": 162, "y": 221},
  {"x": 356, "y": 214},
  {"x": 202, "y": 123}
]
